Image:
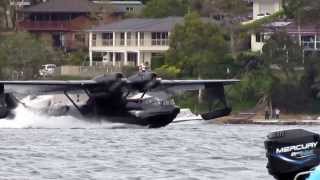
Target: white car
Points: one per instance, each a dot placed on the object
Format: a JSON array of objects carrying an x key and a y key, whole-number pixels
[{"x": 47, "y": 70}]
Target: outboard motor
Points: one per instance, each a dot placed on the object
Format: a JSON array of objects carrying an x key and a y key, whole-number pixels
[{"x": 291, "y": 152}]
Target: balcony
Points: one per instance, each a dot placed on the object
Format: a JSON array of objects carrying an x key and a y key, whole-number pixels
[
  {"x": 160, "y": 42},
  {"x": 45, "y": 25},
  {"x": 130, "y": 43}
]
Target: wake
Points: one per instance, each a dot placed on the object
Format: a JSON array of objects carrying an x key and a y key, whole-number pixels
[{"x": 25, "y": 118}]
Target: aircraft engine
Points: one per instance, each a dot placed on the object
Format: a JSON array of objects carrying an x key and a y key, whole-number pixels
[
  {"x": 113, "y": 82},
  {"x": 143, "y": 81}
]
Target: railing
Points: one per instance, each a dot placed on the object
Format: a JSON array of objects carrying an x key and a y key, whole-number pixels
[
  {"x": 94, "y": 43},
  {"x": 308, "y": 44},
  {"x": 131, "y": 42},
  {"x": 141, "y": 42},
  {"x": 121, "y": 42},
  {"x": 45, "y": 25},
  {"x": 160, "y": 42},
  {"x": 107, "y": 42}
]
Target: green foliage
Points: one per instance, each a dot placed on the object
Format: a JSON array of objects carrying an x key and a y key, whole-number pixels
[
  {"x": 302, "y": 11},
  {"x": 198, "y": 49},
  {"x": 292, "y": 8},
  {"x": 164, "y": 8},
  {"x": 254, "y": 85},
  {"x": 21, "y": 52},
  {"x": 229, "y": 9},
  {"x": 76, "y": 58},
  {"x": 280, "y": 50},
  {"x": 168, "y": 72},
  {"x": 157, "y": 62}
]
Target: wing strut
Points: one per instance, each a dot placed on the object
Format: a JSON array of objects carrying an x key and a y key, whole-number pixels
[{"x": 72, "y": 101}]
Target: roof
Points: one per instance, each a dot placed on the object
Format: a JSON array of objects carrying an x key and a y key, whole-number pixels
[
  {"x": 63, "y": 6},
  {"x": 293, "y": 28},
  {"x": 142, "y": 25}
]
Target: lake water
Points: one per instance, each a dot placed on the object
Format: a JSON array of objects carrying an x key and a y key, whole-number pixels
[{"x": 37, "y": 147}]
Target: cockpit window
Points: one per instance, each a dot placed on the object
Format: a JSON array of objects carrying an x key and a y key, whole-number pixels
[{"x": 156, "y": 101}]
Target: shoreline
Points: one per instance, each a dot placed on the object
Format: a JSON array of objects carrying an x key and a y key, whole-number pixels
[{"x": 259, "y": 120}]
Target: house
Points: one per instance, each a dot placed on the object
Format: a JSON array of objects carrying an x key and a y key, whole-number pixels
[
  {"x": 263, "y": 8},
  {"x": 306, "y": 35},
  {"x": 131, "y": 41},
  {"x": 63, "y": 22}
]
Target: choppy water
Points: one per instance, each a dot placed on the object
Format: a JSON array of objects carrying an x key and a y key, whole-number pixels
[{"x": 36, "y": 147}]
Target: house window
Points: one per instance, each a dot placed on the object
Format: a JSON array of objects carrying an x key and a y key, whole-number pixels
[
  {"x": 107, "y": 39},
  {"x": 128, "y": 38},
  {"x": 266, "y": 8},
  {"x": 80, "y": 38},
  {"x": 94, "y": 39},
  {"x": 308, "y": 42},
  {"x": 122, "y": 38},
  {"x": 160, "y": 38},
  {"x": 130, "y": 9},
  {"x": 136, "y": 38},
  {"x": 141, "y": 38},
  {"x": 318, "y": 42},
  {"x": 259, "y": 37}
]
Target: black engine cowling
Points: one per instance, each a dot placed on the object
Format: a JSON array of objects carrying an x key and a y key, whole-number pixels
[
  {"x": 143, "y": 81},
  {"x": 291, "y": 152}
]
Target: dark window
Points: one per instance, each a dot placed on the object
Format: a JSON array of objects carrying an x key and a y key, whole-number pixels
[
  {"x": 259, "y": 37},
  {"x": 80, "y": 37},
  {"x": 94, "y": 36},
  {"x": 107, "y": 35}
]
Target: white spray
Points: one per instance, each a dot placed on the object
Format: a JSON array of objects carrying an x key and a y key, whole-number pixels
[{"x": 26, "y": 118}]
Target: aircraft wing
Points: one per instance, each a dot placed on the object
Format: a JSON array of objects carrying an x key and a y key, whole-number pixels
[
  {"x": 201, "y": 82},
  {"x": 179, "y": 86},
  {"x": 46, "y": 87}
]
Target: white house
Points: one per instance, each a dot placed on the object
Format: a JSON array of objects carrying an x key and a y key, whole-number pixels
[
  {"x": 263, "y": 8},
  {"x": 131, "y": 41}
]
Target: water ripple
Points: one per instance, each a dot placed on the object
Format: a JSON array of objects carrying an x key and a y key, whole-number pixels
[{"x": 187, "y": 151}]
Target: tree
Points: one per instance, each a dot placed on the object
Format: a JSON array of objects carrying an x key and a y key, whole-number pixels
[
  {"x": 283, "y": 56},
  {"x": 280, "y": 50},
  {"x": 165, "y": 8},
  {"x": 198, "y": 49},
  {"x": 23, "y": 53},
  {"x": 4, "y": 9},
  {"x": 229, "y": 12}
]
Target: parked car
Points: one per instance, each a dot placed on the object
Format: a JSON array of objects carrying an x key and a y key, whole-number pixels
[
  {"x": 47, "y": 70},
  {"x": 262, "y": 15}
]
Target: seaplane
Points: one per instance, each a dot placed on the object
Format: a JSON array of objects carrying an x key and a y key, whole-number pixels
[{"x": 142, "y": 99}]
